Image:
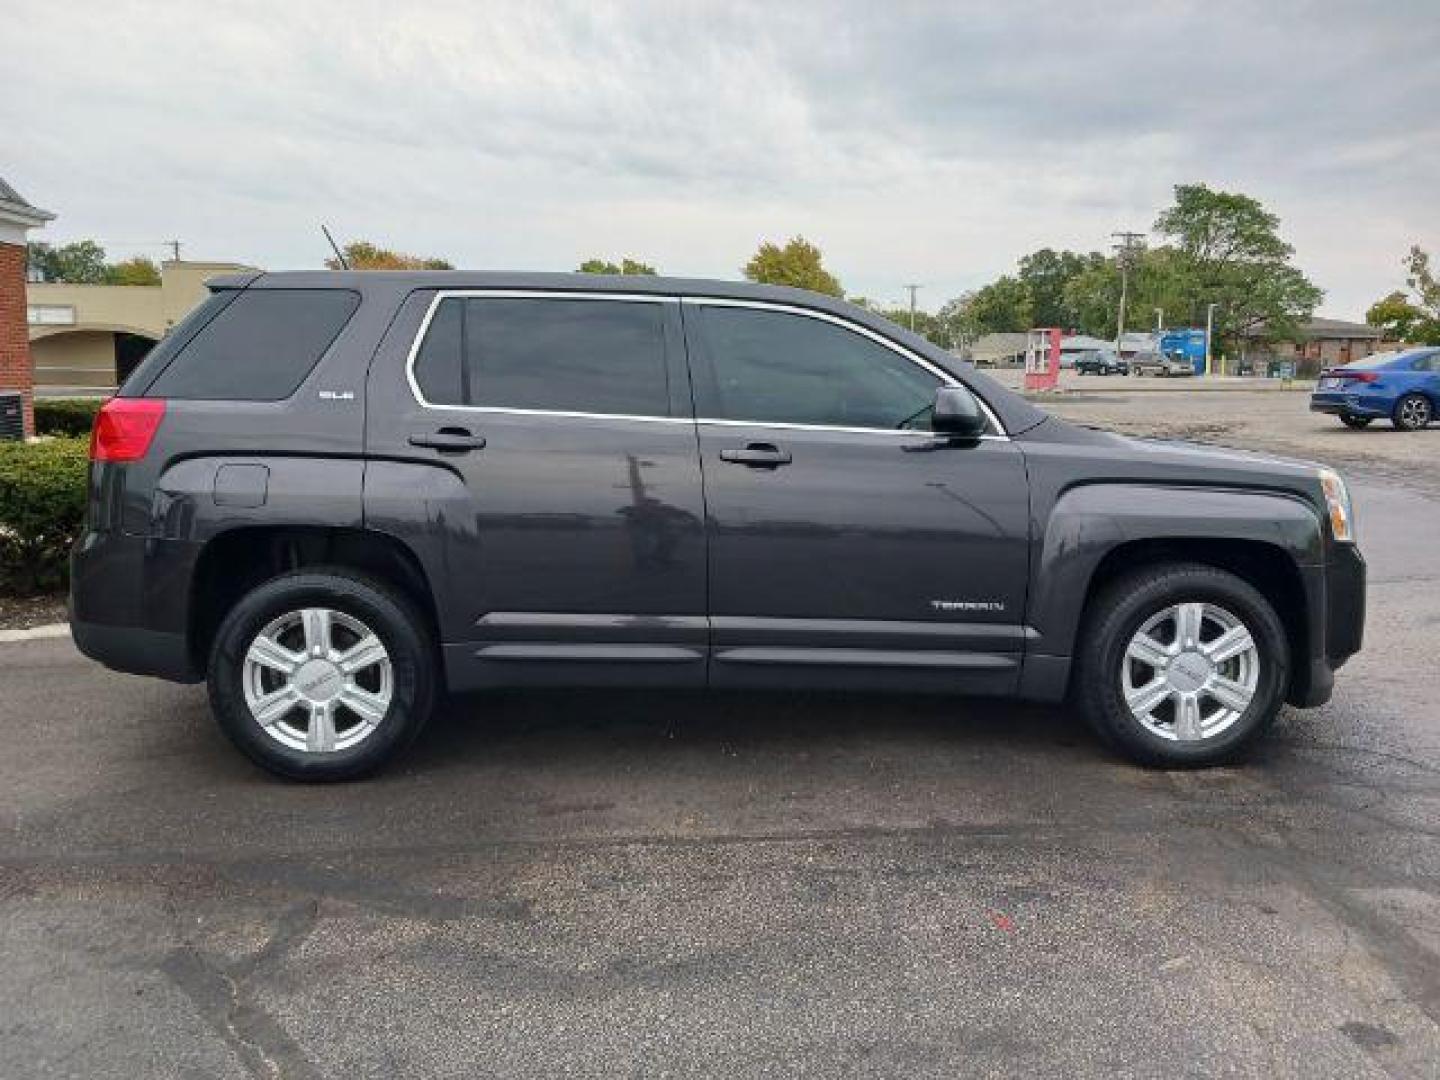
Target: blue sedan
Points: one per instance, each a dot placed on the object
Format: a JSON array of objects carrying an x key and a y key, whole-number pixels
[{"x": 1402, "y": 387}]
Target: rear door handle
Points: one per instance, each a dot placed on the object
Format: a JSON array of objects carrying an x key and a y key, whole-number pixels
[
  {"x": 757, "y": 456},
  {"x": 449, "y": 440}
]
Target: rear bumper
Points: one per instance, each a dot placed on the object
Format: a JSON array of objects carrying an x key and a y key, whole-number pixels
[
  {"x": 129, "y": 604},
  {"x": 1349, "y": 405}
]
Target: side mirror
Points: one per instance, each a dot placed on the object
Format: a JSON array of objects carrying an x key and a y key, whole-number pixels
[{"x": 957, "y": 412}]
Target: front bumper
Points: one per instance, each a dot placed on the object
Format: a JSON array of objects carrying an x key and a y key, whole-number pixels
[{"x": 1336, "y": 627}]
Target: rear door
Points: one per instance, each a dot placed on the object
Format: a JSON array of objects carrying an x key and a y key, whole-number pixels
[
  {"x": 848, "y": 545},
  {"x": 541, "y": 448}
]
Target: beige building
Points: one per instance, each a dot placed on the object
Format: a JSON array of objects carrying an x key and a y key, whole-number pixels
[{"x": 92, "y": 336}]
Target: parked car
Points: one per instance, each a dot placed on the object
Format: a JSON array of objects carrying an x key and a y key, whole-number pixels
[
  {"x": 1102, "y": 363},
  {"x": 1159, "y": 363},
  {"x": 1402, "y": 387},
  {"x": 335, "y": 496}
]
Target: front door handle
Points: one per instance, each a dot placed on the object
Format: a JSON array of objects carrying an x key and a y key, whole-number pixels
[
  {"x": 449, "y": 440},
  {"x": 757, "y": 455}
]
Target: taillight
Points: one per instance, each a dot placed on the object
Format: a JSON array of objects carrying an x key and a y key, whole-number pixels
[
  {"x": 124, "y": 428},
  {"x": 1364, "y": 376}
]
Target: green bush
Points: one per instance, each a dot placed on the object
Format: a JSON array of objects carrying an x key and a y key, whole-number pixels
[
  {"x": 66, "y": 416},
  {"x": 42, "y": 507}
]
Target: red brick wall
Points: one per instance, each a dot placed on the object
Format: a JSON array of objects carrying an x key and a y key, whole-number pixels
[{"x": 16, "y": 370}]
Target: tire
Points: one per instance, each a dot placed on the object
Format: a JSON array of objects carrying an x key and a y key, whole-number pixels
[
  {"x": 1412, "y": 412},
  {"x": 1104, "y": 666},
  {"x": 1356, "y": 422},
  {"x": 374, "y": 710}
]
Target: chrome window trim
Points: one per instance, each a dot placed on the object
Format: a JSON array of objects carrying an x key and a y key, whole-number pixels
[{"x": 707, "y": 301}]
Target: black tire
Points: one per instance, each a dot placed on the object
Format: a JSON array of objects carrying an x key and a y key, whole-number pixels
[
  {"x": 1412, "y": 412},
  {"x": 1121, "y": 608},
  {"x": 388, "y": 615},
  {"x": 1356, "y": 422}
]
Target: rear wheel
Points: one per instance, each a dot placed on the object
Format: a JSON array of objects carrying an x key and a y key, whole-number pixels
[
  {"x": 1181, "y": 665},
  {"x": 1356, "y": 422},
  {"x": 1412, "y": 412},
  {"x": 322, "y": 675}
]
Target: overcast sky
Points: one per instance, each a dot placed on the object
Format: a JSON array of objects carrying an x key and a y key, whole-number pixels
[{"x": 930, "y": 143}]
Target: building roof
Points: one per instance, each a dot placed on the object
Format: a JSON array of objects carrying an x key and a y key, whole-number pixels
[
  {"x": 16, "y": 211},
  {"x": 1073, "y": 342},
  {"x": 1320, "y": 327}
]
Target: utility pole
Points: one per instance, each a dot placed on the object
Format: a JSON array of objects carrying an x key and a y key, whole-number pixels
[
  {"x": 913, "y": 289},
  {"x": 1129, "y": 243},
  {"x": 174, "y": 246},
  {"x": 1159, "y": 319}
]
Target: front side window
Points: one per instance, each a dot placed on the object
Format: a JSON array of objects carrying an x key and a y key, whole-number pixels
[
  {"x": 557, "y": 355},
  {"x": 781, "y": 368}
]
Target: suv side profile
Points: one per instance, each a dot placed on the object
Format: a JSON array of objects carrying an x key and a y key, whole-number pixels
[{"x": 335, "y": 496}]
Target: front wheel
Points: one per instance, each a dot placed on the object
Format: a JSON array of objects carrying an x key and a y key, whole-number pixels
[
  {"x": 322, "y": 674},
  {"x": 1356, "y": 422},
  {"x": 1181, "y": 664},
  {"x": 1412, "y": 412}
]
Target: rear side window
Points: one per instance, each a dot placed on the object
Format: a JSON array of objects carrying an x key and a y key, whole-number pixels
[
  {"x": 260, "y": 347},
  {"x": 595, "y": 356}
]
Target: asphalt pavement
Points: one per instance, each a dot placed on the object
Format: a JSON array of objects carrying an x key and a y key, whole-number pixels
[{"x": 781, "y": 885}]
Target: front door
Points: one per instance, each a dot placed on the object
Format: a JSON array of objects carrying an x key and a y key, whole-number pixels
[
  {"x": 547, "y": 445},
  {"x": 848, "y": 545}
]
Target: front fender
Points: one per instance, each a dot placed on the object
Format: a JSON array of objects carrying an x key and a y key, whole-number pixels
[{"x": 1089, "y": 522}]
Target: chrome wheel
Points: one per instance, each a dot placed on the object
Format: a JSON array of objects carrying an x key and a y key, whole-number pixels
[
  {"x": 1414, "y": 412},
  {"x": 317, "y": 680},
  {"x": 1190, "y": 672}
]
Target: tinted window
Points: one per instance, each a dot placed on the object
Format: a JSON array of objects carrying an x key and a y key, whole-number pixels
[
  {"x": 175, "y": 339},
  {"x": 773, "y": 367},
  {"x": 258, "y": 348},
  {"x": 598, "y": 356}
]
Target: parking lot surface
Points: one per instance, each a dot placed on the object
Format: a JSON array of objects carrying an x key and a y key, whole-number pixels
[{"x": 631, "y": 884}]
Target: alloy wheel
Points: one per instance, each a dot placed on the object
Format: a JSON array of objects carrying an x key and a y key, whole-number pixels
[
  {"x": 1414, "y": 412},
  {"x": 1190, "y": 671},
  {"x": 317, "y": 680}
]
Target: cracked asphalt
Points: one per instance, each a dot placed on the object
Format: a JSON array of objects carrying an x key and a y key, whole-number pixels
[{"x": 780, "y": 885}]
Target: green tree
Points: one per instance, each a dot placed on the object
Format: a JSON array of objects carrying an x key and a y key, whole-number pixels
[
  {"x": 1396, "y": 316},
  {"x": 797, "y": 264},
  {"x": 626, "y": 266},
  {"x": 1229, "y": 252},
  {"x": 80, "y": 263},
  {"x": 363, "y": 255},
  {"x": 1046, "y": 273},
  {"x": 136, "y": 271},
  {"x": 1003, "y": 306}
]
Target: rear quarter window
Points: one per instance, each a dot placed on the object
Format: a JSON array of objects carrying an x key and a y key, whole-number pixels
[{"x": 259, "y": 347}]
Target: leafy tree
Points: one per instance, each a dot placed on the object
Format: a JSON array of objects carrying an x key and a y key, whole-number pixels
[
  {"x": 136, "y": 271},
  {"x": 1415, "y": 317},
  {"x": 1003, "y": 306},
  {"x": 1229, "y": 252},
  {"x": 80, "y": 263},
  {"x": 626, "y": 266},
  {"x": 797, "y": 264},
  {"x": 1045, "y": 273},
  {"x": 363, "y": 255}
]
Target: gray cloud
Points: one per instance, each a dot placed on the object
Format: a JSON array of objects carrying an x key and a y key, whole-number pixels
[{"x": 931, "y": 142}]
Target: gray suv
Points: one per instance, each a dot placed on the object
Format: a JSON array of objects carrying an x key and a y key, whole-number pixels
[{"x": 335, "y": 496}]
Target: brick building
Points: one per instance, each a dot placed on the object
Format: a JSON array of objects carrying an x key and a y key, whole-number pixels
[{"x": 17, "y": 217}]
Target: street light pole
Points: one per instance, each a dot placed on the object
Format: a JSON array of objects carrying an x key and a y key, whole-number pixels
[
  {"x": 1209, "y": 328},
  {"x": 913, "y": 289}
]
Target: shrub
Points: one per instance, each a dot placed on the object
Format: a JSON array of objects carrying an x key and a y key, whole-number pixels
[
  {"x": 42, "y": 507},
  {"x": 66, "y": 416}
]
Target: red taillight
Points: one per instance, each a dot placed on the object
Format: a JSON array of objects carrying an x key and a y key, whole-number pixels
[{"x": 124, "y": 428}]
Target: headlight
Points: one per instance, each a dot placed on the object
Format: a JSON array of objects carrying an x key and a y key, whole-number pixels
[{"x": 1337, "y": 502}]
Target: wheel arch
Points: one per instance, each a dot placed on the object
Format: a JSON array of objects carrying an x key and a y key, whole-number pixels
[
  {"x": 1095, "y": 533},
  {"x": 233, "y": 562}
]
